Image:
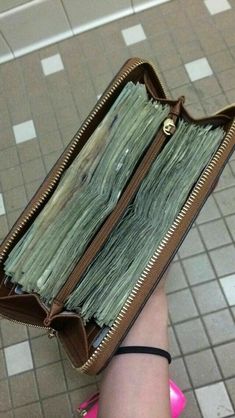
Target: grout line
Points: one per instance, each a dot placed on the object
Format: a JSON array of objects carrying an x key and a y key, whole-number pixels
[
  {"x": 35, "y": 375},
  {"x": 217, "y": 278},
  {"x": 65, "y": 378}
]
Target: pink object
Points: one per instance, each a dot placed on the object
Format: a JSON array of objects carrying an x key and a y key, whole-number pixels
[
  {"x": 178, "y": 400},
  {"x": 89, "y": 408}
]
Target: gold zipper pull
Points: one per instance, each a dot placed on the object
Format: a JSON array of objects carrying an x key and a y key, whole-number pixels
[
  {"x": 169, "y": 126},
  {"x": 51, "y": 333},
  {"x": 82, "y": 412}
]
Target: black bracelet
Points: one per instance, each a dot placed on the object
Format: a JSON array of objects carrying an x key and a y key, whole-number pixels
[{"x": 143, "y": 349}]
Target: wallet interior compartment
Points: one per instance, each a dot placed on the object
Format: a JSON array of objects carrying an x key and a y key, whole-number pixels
[{"x": 135, "y": 164}]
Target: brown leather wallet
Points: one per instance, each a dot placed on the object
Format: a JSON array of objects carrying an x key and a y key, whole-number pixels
[{"x": 77, "y": 338}]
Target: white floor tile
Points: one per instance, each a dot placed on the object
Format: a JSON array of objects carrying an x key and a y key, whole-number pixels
[
  {"x": 217, "y": 6},
  {"x": 198, "y": 69},
  {"x": 214, "y": 401},
  {"x": 2, "y": 207},
  {"x": 52, "y": 64},
  {"x": 24, "y": 131},
  {"x": 18, "y": 358},
  {"x": 228, "y": 284},
  {"x": 133, "y": 34}
]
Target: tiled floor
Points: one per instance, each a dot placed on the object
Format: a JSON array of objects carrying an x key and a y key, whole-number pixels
[{"x": 44, "y": 97}]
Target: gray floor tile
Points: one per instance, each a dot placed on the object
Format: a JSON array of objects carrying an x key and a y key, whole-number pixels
[
  {"x": 8, "y": 414},
  {"x": 191, "y": 245},
  {"x": 192, "y": 336},
  {"x": 228, "y": 285},
  {"x": 57, "y": 406},
  {"x": 33, "y": 170},
  {"x": 51, "y": 380},
  {"x": 209, "y": 297},
  {"x": 51, "y": 158},
  {"x": 3, "y": 372},
  {"x": 15, "y": 199},
  {"x": 202, "y": 368},
  {"x": 226, "y": 356},
  {"x": 74, "y": 379},
  {"x": 223, "y": 260},
  {"x": 227, "y": 178},
  {"x": 220, "y": 326},
  {"x": 233, "y": 312},
  {"x": 9, "y": 158},
  {"x": 230, "y": 221},
  {"x": 51, "y": 142},
  {"x": 32, "y": 410},
  {"x": 175, "y": 278},
  {"x": 29, "y": 150},
  {"x": 44, "y": 350},
  {"x": 192, "y": 409},
  {"x": 179, "y": 374},
  {"x": 215, "y": 234},
  {"x": 209, "y": 211},
  {"x": 181, "y": 306},
  {"x": 12, "y": 333},
  {"x": 230, "y": 385},
  {"x": 11, "y": 178},
  {"x": 198, "y": 269},
  {"x": 5, "y": 400},
  {"x": 23, "y": 388},
  {"x": 174, "y": 347},
  {"x": 226, "y": 201},
  {"x": 78, "y": 396}
]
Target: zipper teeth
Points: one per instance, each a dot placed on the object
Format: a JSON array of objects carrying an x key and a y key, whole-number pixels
[
  {"x": 160, "y": 248},
  {"x": 23, "y": 323},
  {"x": 76, "y": 139}
]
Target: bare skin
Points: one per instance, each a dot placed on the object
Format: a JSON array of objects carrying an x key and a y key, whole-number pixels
[{"x": 137, "y": 385}]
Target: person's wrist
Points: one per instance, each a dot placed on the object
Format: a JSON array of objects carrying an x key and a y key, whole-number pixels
[{"x": 150, "y": 328}]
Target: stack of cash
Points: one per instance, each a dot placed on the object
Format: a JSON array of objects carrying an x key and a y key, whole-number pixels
[
  {"x": 88, "y": 191},
  {"x": 109, "y": 280}
]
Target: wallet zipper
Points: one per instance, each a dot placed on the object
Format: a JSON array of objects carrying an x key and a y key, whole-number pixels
[{"x": 51, "y": 331}]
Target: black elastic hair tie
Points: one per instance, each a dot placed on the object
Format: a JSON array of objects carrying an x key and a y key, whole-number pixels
[{"x": 143, "y": 349}]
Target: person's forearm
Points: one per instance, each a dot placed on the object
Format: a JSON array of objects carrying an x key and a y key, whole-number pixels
[{"x": 137, "y": 385}]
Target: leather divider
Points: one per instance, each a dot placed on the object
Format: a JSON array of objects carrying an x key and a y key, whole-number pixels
[
  {"x": 71, "y": 332},
  {"x": 216, "y": 120},
  {"x": 26, "y": 308}
]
